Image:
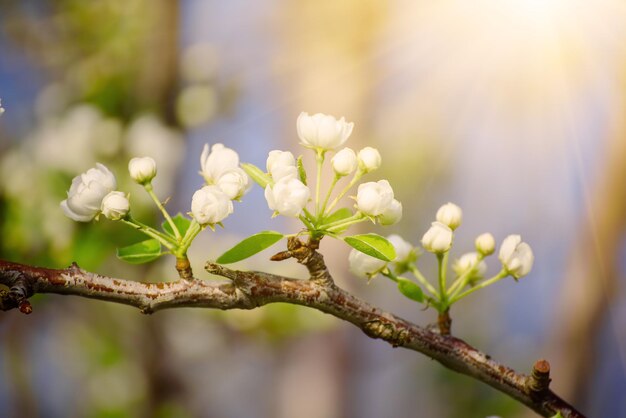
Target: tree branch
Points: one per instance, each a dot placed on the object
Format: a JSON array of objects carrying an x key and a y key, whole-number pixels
[{"x": 250, "y": 289}]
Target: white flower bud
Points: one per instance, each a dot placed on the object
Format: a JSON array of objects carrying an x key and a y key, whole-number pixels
[
  {"x": 84, "y": 199},
  {"x": 392, "y": 214},
  {"x": 363, "y": 265},
  {"x": 281, "y": 164},
  {"x": 344, "y": 162},
  {"x": 287, "y": 197},
  {"x": 438, "y": 239},
  {"x": 369, "y": 159},
  {"x": 374, "y": 198},
  {"x": 115, "y": 206},
  {"x": 516, "y": 256},
  {"x": 322, "y": 131},
  {"x": 404, "y": 249},
  {"x": 1, "y": 108},
  {"x": 467, "y": 262},
  {"x": 485, "y": 244},
  {"x": 142, "y": 169},
  {"x": 217, "y": 162},
  {"x": 210, "y": 205},
  {"x": 235, "y": 183},
  {"x": 451, "y": 215}
]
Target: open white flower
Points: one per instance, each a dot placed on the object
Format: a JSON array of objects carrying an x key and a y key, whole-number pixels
[
  {"x": 438, "y": 238},
  {"x": 281, "y": 164},
  {"x": 392, "y": 214},
  {"x": 369, "y": 159},
  {"x": 210, "y": 205},
  {"x": 142, "y": 169},
  {"x": 364, "y": 265},
  {"x": 115, "y": 206},
  {"x": 374, "y": 198},
  {"x": 344, "y": 162},
  {"x": 516, "y": 256},
  {"x": 485, "y": 244},
  {"x": 84, "y": 199},
  {"x": 217, "y": 162},
  {"x": 322, "y": 131},
  {"x": 468, "y": 262},
  {"x": 451, "y": 215},
  {"x": 287, "y": 197}
]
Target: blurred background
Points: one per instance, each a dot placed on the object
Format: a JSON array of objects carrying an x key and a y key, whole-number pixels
[{"x": 513, "y": 109}]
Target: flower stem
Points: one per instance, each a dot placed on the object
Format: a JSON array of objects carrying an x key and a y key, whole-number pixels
[
  {"x": 330, "y": 189},
  {"x": 165, "y": 240},
  {"x": 355, "y": 219},
  {"x": 168, "y": 218},
  {"x": 319, "y": 159},
  {"x": 503, "y": 273},
  {"x": 420, "y": 278},
  {"x": 462, "y": 280},
  {"x": 441, "y": 264},
  {"x": 356, "y": 178}
]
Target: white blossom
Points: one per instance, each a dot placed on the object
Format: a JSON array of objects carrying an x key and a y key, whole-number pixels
[
  {"x": 281, "y": 164},
  {"x": 1, "y": 108},
  {"x": 451, "y": 215},
  {"x": 468, "y": 262},
  {"x": 115, "y": 206},
  {"x": 84, "y": 199},
  {"x": 235, "y": 183},
  {"x": 392, "y": 214},
  {"x": 364, "y": 265},
  {"x": 374, "y": 198},
  {"x": 404, "y": 249},
  {"x": 438, "y": 238},
  {"x": 142, "y": 169},
  {"x": 217, "y": 162},
  {"x": 516, "y": 256},
  {"x": 485, "y": 244},
  {"x": 287, "y": 197},
  {"x": 322, "y": 131},
  {"x": 344, "y": 162},
  {"x": 369, "y": 159},
  {"x": 210, "y": 205}
]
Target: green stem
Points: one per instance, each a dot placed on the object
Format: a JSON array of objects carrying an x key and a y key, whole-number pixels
[
  {"x": 345, "y": 223},
  {"x": 420, "y": 278},
  {"x": 357, "y": 177},
  {"x": 502, "y": 274},
  {"x": 165, "y": 240},
  {"x": 194, "y": 229},
  {"x": 441, "y": 268},
  {"x": 462, "y": 280},
  {"x": 319, "y": 159},
  {"x": 168, "y": 218},
  {"x": 330, "y": 189}
]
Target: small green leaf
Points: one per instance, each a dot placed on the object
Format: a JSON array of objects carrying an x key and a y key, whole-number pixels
[
  {"x": 410, "y": 290},
  {"x": 558, "y": 415},
  {"x": 256, "y": 174},
  {"x": 250, "y": 246},
  {"x": 373, "y": 245},
  {"x": 140, "y": 253},
  {"x": 336, "y": 216},
  {"x": 182, "y": 224},
  {"x": 301, "y": 172}
]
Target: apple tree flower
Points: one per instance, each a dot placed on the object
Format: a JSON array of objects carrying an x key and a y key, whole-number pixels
[
  {"x": 344, "y": 162},
  {"x": 392, "y": 214},
  {"x": 115, "y": 206},
  {"x": 287, "y": 197},
  {"x": 220, "y": 167},
  {"x": 485, "y": 244},
  {"x": 374, "y": 198},
  {"x": 142, "y": 169},
  {"x": 322, "y": 131},
  {"x": 438, "y": 238},
  {"x": 281, "y": 164},
  {"x": 210, "y": 205},
  {"x": 363, "y": 265},
  {"x": 451, "y": 215},
  {"x": 516, "y": 256},
  {"x": 369, "y": 159},
  {"x": 84, "y": 199},
  {"x": 1, "y": 108},
  {"x": 468, "y": 262}
]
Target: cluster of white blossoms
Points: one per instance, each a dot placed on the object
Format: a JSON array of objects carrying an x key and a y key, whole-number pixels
[{"x": 288, "y": 194}]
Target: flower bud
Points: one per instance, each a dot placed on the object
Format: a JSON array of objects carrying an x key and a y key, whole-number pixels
[
  {"x": 322, "y": 131},
  {"x": 287, "y": 197},
  {"x": 1, "y": 108},
  {"x": 142, "y": 169},
  {"x": 235, "y": 183},
  {"x": 450, "y": 214},
  {"x": 217, "y": 162},
  {"x": 438, "y": 239},
  {"x": 344, "y": 162},
  {"x": 516, "y": 256},
  {"x": 392, "y": 214},
  {"x": 404, "y": 250},
  {"x": 369, "y": 159},
  {"x": 485, "y": 244},
  {"x": 374, "y": 198},
  {"x": 84, "y": 199},
  {"x": 210, "y": 205},
  {"x": 468, "y": 262},
  {"x": 364, "y": 265},
  {"x": 281, "y": 164},
  {"x": 115, "y": 206}
]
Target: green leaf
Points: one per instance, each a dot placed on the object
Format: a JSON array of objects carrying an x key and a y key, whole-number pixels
[
  {"x": 256, "y": 174},
  {"x": 337, "y": 216},
  {"x": 182, "y": 224},
  {"x": 140, "y": 253},
  {"x": 301, "y": 172},
  {"x": 250, "y": 246},
  {"x": 410, "y": 290},
  {"x": 373, "y": 245}
]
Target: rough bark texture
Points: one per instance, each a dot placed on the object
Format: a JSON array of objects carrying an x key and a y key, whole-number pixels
[{"x": 250, "y": 289}]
